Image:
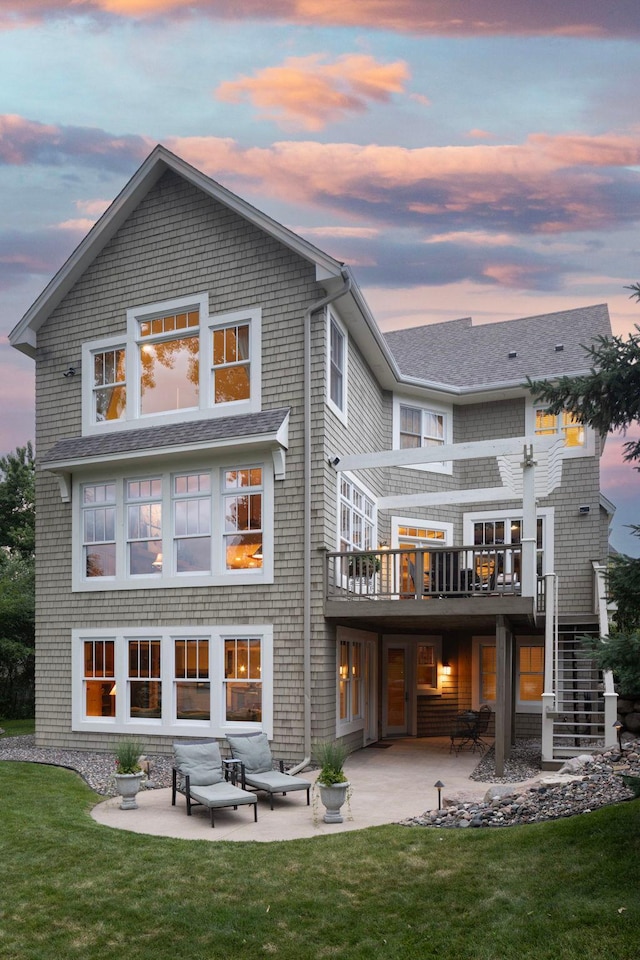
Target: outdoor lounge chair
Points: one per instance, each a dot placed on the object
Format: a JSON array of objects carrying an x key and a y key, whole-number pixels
[
  {"x": 257, "y": 766},
  {"x": 200, "y": 774}
]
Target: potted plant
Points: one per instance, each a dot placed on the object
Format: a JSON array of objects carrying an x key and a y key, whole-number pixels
[
  {"x": 331, "y": 780},
  {"x": 364, "y": 565},
  {"x": 129, "y": 773}
]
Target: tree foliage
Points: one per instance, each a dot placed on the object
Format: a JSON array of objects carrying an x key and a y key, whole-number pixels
[
  {"x": 17, "y": 582},
  {"x": 608, "y": 398}
]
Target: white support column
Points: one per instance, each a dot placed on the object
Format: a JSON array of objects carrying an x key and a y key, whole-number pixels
[
  {"x": 529, "y": 526},
  {"x": 503, "y": 694},
  {"x": 550, "y": 649}
]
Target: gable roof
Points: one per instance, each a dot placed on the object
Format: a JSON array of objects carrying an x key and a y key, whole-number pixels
[
  {"x": 468, "y": 357},
  {"x": 24, "y": 335}
]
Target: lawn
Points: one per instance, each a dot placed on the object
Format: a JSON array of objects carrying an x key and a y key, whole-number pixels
[
  {"x": 17, "y": 728},
  {"x": 566, "y": 890}
]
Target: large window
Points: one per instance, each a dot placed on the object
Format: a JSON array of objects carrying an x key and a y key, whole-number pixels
[
  {"x": 199, "y": 526},
  {"x": 201, "y": 681},
  {"x": 350, "y": 681},
  {"x": 529, "y": 673},
  {"x": 176, "y": 362}
]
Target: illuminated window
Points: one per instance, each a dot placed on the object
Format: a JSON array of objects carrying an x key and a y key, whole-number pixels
[
  {"x": 350, "y": 681},
  {"x": 145, "y": 686},
  {"x": 99, "y": 678},
  {"x": 231, "y": 363},
  {"x": 243, "y": 679},
  {"x": 243, "y": 518},
  {"x": 427, "y": 666},
  {"x": 531, "y": 673},
  {"x": 99, "y": 529},
  {"x": 192, "y": 686},
  {"x": 487, "y": 673},
  {"x": 109, "y": 385},
  {"x": 563, "y": 424}
]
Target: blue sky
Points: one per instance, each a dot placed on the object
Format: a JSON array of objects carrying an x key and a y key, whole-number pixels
[{"x": 467, "y": 157}]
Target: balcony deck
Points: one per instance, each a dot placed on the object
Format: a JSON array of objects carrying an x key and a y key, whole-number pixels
[{"x": 450, "y": 587}]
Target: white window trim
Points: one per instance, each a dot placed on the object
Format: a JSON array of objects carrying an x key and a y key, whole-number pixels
[
  {"x": 367, "y": 492},
  {"x": 445, "y": 467},
  {"x": 351, "y": 635},
  {"x": 545, "y": 513},
  {"x": 522, "y": 706},
  {"x": 438, "y": 525},
  {"x": 340, "y": 412},
  {"x": 422, "y": 688},
  {"x": 130, "y": 340},
  {"x": 217, "y": 726},
  {"x": 219, "y": 575},
  {"x": 588, "y": 449}
]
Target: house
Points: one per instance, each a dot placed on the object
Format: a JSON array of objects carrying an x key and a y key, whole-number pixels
[{"x": 256, "y": 512}]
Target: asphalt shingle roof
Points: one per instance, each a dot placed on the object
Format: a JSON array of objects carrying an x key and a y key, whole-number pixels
[
  {"x": 189, "y": 433},
  {"x": 463, "y": 355}
]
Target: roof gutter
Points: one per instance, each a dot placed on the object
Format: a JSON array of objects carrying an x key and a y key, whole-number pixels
[{"x": 306, "y": 563}]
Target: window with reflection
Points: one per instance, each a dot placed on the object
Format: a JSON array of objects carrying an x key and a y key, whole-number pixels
[
  {"x": 192, "y": 522},
  {"x": 192, "y": 685},
  {"x": 243, "y": 518},
  {"x": 231, "y": 363},
  {"x": 109, "y": 384},
  {"x": 99, "y": 529},
  {"x": 168, "y": 350},
  {"x": 243, "y": 679},
  {"x": 145, "y": 685},
  {"x": 144, "y": 527}
]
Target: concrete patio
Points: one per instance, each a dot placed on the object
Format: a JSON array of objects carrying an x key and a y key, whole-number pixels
[{"x": 388, "y": 784}]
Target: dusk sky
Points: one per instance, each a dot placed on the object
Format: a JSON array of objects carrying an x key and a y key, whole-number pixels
[{"x": 466, "y": 157}]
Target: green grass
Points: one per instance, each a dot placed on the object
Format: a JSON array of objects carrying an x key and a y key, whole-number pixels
[
  {"x": 17, "y": 728},
  {"x": 70, "y": 888}
]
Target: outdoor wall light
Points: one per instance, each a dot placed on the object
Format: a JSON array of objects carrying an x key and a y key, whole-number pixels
[
  {"x": 69, "y": 372},
  {"x": 446, "y": 668}
]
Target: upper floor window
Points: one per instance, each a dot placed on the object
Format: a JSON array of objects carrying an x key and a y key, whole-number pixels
[
  {"x": 563, "y": 424},
  {"x": 175, "y": 363},
  {"x": 337, "y": 367},
  {"x": 357, "y": 517},
  {"x": 421, "y": 425},
  {"x": 198, "y": 526},
  {"x": 578, "y": 439}
]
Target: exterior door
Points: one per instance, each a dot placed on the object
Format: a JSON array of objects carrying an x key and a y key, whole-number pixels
[{"x": 397, "y": 709}]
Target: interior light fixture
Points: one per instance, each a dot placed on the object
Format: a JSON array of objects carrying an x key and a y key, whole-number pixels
[
  {"x": 157, "y": 563},
  {"x": 258, "y": 554}
]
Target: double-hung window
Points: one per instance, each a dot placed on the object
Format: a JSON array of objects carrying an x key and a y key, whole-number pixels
[
  {"x": 337, "y": 367},
  {"x": 199, "y": 527},
  {"x": 350, "y": 682},
  {"x": 578, "y": 440},
  {"x": 421, "y": 426},
  {"x": 175, "y": 363},
  {"x": 180, "y": 680},
  {"x": 357, "y": 517}
]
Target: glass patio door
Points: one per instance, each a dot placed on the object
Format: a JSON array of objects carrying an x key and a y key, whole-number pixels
[{"x": 397, "y": 686}]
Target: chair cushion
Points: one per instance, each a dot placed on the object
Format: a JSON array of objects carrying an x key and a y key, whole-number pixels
[
  {"x": 222, "y": 795},
  {"x": 253, "y": 751},
  {"x": 275, "y": 782},
  {"x": 201, "y": 761}
]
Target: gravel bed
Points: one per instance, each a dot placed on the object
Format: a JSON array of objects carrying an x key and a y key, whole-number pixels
[
  {"x": 582, "y": 785},
  {"x": 97, "y": 769}
]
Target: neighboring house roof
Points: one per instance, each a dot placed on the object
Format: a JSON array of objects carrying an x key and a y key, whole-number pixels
[
  {"x": 545, "y": 346},
  {"x": 270, "y": 425}
]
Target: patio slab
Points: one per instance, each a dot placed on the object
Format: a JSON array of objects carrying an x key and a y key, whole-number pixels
[{"x": 388, "y": 784}]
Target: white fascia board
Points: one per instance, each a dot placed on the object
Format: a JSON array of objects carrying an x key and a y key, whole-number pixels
[
  {"x": 473, "y": 450},
  {"x": 448, "y": 497}
]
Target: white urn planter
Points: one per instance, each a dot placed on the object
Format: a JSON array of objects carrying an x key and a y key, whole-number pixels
[
  {"x": 333, "y": 797},
  {"x": 127, "y": 785}
]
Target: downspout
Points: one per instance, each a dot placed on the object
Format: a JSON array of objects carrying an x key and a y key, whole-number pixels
[{"x": 306, "y": 562}]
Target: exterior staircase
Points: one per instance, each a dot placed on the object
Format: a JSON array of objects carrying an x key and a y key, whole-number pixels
[{"x": 579, "y": 723}]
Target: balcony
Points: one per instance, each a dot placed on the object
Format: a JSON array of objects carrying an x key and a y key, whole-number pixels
[{"x": 437, "y": 583}]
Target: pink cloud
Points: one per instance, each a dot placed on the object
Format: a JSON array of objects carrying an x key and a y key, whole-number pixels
[
  {"x": 583, "y": 18},
  {"x": 305, "y": 92},
  {"x": 25, "y": 141}
]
